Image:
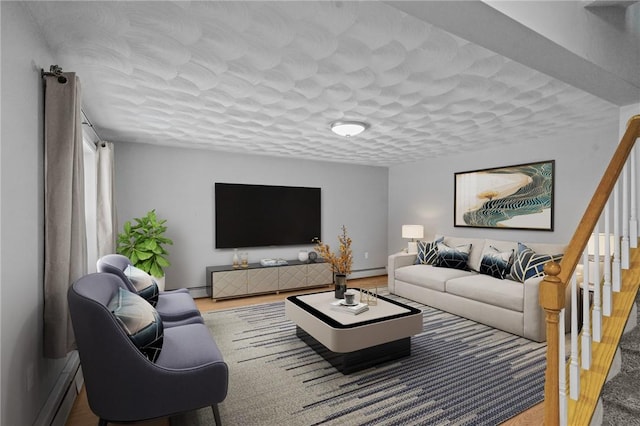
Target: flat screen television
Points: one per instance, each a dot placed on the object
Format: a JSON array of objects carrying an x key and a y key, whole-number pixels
[{"x": 264, "y": 215}]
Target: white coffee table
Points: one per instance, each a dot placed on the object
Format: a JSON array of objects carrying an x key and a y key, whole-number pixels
[{"x": 354, "y": 342}]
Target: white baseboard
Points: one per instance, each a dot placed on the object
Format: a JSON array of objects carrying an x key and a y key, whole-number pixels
[
  {"x": 60, "y": 401},
  {"x": 197, "y": 292},
  {"x": 597, "y": 418},
  {"x": 632, "y": 321}
]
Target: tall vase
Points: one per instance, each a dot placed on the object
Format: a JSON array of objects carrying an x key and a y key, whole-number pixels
[
  {"x": 341, "y": 286},
  {"x": 236, "y": 259}
]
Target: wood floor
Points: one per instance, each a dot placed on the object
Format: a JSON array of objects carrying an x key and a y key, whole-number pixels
[{"x": 81, "y": 414}]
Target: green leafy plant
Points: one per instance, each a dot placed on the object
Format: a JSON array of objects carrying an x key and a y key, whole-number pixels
[{"x": 143, "y": 243}]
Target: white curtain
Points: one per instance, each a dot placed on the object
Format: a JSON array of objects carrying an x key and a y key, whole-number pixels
[
  {"x": 65, "y": 247},
  {"x": 106, "y": 212}
]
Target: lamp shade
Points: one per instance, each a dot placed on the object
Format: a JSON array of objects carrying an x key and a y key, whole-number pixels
[{"x": 412, "y": 231}]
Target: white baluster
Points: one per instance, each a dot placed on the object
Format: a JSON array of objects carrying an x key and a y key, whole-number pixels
[
  {"x": 597, "y": 308},
  {"x": 616, "y": 271},
  {"x": 624, "y": 244},
  {"x": 562, "y": 371},
  {"x": 606, "y": 286},
  {"x": 586, "y": 313},
  {"x": 633, "y": 220},
  {"x": 574, "y": 365}
]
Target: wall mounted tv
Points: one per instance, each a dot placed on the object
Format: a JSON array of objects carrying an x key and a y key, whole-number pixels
[{"x": 263, "y": 215}]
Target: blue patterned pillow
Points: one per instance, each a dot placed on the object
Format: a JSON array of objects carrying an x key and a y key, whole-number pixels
[
  {"x": 454, "y": 257},
  {"x": 529, "y": 264},
  {"x": 428, "y": 252},
  {"x": 144, "y": 284},
  {"x": 140, "y": 321},
  {"x": 496, "y": 263}
]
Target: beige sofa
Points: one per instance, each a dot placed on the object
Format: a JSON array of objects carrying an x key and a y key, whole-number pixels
[{"x": 505, "y": 304}]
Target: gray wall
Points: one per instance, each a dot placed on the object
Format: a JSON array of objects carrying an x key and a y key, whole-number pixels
[
  {"x": 27, "y": 378},
  {"x": 179, "y": 184},
  {"x": 422, "y": 192}
]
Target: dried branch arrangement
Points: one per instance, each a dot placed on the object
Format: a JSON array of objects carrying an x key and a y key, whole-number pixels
[{"x": 341, "y": 262}]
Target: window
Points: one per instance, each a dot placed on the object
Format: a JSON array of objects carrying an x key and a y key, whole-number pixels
[{"x": 90, "y": 201}]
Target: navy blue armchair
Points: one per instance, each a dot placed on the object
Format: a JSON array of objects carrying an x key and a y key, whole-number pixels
[
  {"x": 176, "y": 307},
  {"x": 123, "y": 384}
]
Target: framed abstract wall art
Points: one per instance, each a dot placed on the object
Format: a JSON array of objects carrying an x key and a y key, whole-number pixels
[{"x": 512, "y": 197}]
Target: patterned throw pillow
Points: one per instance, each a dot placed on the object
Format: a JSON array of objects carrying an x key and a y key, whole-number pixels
[
  {"x": 428, "y": 252},
  {"x": 528, "y": 264},
  {"x": 144, "y": 284},
  {"x": 496, "y": 263},
  {"x": 140, "y": 321},
  {"x": 454, "y": 257}
]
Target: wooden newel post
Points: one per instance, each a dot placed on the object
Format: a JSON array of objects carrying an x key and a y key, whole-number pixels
[{"x": 551, "y": 297}]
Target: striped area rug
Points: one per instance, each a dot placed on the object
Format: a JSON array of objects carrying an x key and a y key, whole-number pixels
[{"x": 459, "y": 373}]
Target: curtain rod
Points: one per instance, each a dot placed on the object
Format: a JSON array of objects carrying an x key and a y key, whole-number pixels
[
  {"x": 56, "y": 71},
  {"x": 88, "y": 123}
]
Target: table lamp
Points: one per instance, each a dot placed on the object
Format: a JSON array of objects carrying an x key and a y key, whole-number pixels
[{"x": 413, "y": 232}]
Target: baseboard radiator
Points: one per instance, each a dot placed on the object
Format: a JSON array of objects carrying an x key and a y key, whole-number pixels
[
  {"x": 368, "y": 272},
  {"x": 60, "y": 401}
]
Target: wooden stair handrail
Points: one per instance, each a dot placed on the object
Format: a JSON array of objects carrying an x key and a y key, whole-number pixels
[
  {"x": 552, "y": 288},
  {"x": 592, "y": 214}
]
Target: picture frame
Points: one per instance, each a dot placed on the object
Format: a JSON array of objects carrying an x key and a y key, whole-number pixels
[{"x": 510, "y": 197}]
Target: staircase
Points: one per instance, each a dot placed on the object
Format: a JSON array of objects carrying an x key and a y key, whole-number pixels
[
  {"x": 621, "y": 394},
  {"x": 604, "y": 339}
]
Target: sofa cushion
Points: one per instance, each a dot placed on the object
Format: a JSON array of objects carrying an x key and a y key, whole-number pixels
[
  {"x": 428, "y": 252},
  {"x": 428, "y": 276},
  {"x": 546, "y": 247},
  {"x": 144, "y": 284},
  {"x": 528, "y": 264},
  {"x": 505, "y": 245},
  {"x": 502, "y": 245},
  {"x": 454, "y": 257},
  {"x": 483, "y": 288},
  {"x": 496, "y": 263},
  {"x": 477, "y": 246},
  {"x": 140, "y": 321}
]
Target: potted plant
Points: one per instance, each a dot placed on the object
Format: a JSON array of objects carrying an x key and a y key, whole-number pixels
[
  {"x": 340, "y": 263},
  {"x": 143, "y": 243}
]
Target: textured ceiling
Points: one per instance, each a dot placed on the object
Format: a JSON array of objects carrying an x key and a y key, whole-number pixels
[{"x": 269, "y": 77}]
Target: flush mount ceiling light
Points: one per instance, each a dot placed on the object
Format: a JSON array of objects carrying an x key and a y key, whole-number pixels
[{"x": 348, "y": 128}]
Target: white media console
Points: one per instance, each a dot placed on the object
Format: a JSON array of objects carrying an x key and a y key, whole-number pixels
[{"x": 226, "y": 281}]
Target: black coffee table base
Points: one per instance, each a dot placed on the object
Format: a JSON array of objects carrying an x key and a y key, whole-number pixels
[{"x": 351, "y": 362}]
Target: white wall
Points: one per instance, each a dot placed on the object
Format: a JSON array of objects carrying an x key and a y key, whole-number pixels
[
  {"x": 179, "y": 184},
  {"x": 27, "y": 378},
  {"x": 559, "y": 38},
  {"x": 422, "y": 192},
  {"x": 626, "y": 113},
  {"x": 610, "y": 45}
]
